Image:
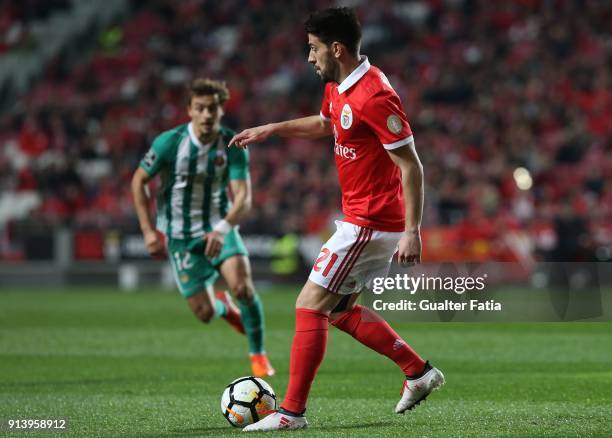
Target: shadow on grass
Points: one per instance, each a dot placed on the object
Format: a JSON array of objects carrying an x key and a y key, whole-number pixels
[
  {"x": 353, "y": 426},
  {"x": 219, "y": 430}
]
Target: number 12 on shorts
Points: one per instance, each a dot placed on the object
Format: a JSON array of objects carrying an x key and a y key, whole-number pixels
[
  {"x": 325, "y": 254},
  {"x": 183, "y": 261}
]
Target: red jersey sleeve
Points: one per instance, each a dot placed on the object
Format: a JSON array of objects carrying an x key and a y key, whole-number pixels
[
  {"x": 325, "y": 113},
  {"x": 385, "y": 116}
]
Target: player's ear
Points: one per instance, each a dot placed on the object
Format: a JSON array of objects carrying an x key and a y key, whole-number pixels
[{"x": 337, "y": 49}]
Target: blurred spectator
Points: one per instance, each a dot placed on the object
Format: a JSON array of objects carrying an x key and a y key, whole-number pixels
[{"x": 488, "y": 86}]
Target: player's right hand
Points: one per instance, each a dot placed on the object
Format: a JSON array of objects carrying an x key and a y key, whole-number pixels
[
  {"x": 154, "y": 245},
  {"x": 251, "y": 135},
  {"x": 214, "y": 243}
]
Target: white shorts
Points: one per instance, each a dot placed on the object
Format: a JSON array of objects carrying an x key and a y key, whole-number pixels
[{"x": 353, "y": 257}]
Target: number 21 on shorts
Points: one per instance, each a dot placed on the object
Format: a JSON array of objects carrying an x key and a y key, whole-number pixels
[{"x": 325, "y": 254}]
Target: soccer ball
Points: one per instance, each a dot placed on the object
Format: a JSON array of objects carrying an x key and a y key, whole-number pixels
[{"x": 247, "y": 400}]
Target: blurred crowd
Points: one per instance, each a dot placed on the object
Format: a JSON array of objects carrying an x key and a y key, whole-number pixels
[
  {"x": 489, "y": 88},
  {"x": 16, "y": 18}
]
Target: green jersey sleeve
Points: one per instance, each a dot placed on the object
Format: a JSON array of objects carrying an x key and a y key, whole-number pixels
[
  {"x": 238, "y": 163},
  {"x": 159, "y": 155}
]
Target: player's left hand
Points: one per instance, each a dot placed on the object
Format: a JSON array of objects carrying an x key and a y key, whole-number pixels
[
  {"x": 214, "y": 243},
  {"x": 409, "y": 248}
]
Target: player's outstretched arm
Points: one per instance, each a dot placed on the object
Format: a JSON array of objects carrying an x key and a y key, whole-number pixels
[
  {"x": 406, "y": 158},
  {"x": 305, "y": 127},
  {"x": 141, "y": 202}
]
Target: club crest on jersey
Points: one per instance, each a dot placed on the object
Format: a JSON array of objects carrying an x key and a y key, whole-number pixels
[
  {"x": 394, "y": 124},
  {"x": 220, "y": 159},
  {"x": 346, "y": 118}
]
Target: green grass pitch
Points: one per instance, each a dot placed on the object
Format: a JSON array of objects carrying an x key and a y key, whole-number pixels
[{"x": 139, "y": 364}]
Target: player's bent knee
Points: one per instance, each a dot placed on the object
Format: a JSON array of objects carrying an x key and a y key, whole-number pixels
[
  {"x": 243, "y": 291},
  {"x": 204, "y": 313},
  {"x": 316, "y": 297}
]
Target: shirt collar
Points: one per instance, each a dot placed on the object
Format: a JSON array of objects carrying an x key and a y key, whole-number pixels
[{"x": 355, "y": 75}]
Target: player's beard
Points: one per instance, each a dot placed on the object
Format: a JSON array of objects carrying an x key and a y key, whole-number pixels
[{"x": 330, "y": 72}]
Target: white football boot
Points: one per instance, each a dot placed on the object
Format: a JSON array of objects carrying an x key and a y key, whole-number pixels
[
  {"x": 277, "y": 421},
  {"x": 417, "y": 390}
]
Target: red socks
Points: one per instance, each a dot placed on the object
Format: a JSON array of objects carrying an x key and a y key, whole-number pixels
[
  {"x": 307, "y": 353},
  {"x": 371, "y": 330},
  {"x": 310, "y": 341}
]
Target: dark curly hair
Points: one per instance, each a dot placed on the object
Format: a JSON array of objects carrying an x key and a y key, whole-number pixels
[{"x": 336, "y": 24}]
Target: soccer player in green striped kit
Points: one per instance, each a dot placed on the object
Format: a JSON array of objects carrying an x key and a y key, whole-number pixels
[{"x": 198, "y": 218}]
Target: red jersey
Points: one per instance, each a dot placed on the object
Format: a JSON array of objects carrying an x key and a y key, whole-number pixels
[{"x": 367, "y": 119}]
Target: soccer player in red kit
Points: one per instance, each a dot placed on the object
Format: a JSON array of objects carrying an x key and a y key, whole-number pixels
[{"x": 381, "y": 179}]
